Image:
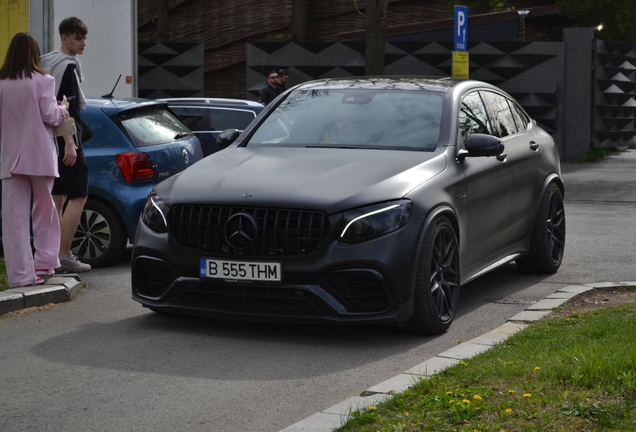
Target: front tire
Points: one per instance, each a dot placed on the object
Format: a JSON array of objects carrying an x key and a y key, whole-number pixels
[
  {"x": 547, "y": 240},
  {"x": 100, "y": 239},
  {"x": 437, "y": 285}
]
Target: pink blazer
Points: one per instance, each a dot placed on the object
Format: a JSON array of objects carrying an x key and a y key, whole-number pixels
[{"x": 28, "y": 110}]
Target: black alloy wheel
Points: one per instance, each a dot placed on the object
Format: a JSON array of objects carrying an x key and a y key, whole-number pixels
[
  {"x": 547, "y": 241},
  {"x": 437, "y": 285},
  {"x": 556, "y": 227}
]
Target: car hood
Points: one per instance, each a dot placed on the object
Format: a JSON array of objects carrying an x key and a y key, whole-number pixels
[{"x": 324, "y": 179}]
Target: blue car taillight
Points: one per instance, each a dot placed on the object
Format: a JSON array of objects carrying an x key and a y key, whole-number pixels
[{"x": 136, "y": 166}]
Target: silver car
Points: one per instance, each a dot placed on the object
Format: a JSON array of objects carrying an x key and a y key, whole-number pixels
[{"x": 355, "y": 200}]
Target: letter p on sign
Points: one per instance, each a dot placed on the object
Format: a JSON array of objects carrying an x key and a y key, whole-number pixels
[{"x": 461, "y": 28}]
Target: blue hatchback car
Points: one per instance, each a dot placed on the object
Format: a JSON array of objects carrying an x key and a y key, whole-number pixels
[{"x": 130, "y": 146}]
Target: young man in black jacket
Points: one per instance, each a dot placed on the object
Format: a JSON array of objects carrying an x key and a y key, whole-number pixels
[{"x": 70, "y": 189}]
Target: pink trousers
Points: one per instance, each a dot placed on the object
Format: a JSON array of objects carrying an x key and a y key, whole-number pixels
[{"x": 16, "y": 213}]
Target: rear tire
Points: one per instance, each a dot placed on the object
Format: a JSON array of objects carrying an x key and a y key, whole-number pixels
[
  {"x": 100, "y": 239},
  {"x": 437, "y": 285},
  {"x": 547, "y": 240}
]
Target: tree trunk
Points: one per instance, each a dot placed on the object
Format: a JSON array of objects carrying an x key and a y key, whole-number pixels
[
  {"x": 163, "y": 34},
  {"x": 375, "y": 26},
  {"x": 299, "y": 27}
]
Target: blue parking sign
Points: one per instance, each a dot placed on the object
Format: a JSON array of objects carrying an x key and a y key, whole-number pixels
[{"x": 460, "y": 29}]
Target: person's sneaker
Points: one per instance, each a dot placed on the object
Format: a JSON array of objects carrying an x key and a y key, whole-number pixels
[
  {"x": 71, "y": 264},
  {"x": 44, "y": 272}
]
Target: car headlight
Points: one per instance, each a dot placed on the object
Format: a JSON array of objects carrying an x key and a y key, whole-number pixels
[
  {"x": 373, "y": 221},
  {"x": 154, "y": 214}
]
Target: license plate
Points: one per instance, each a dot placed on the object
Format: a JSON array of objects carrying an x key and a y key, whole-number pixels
[{"x": 241, "y": 270}]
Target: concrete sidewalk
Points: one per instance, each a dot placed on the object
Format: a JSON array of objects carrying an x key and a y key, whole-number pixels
[{"x": 57, "y": 289}]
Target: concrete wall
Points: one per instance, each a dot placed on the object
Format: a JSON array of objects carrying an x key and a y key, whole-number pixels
[{"x": 580, "y": 90}]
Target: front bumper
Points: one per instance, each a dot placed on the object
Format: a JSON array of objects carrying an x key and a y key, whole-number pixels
[{"x": 367, "y": 282}]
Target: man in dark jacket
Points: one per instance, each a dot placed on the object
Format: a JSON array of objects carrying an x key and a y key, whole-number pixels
[
  {"x": 270, "y": 91},
  {"x": 70, "y": 189},
  {"x": 283, "y": 77}
]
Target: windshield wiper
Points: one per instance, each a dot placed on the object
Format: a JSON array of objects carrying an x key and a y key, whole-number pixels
[{"x": 182, "y": 135}]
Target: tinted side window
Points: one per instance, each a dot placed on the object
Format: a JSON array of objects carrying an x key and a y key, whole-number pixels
[
  {"x": 522, "y": 119},
  {"x": 501, "y": 117},
  {"x": 86, "y": 134},
  {"x": 472, "y": 117},
  {"x": 194, "y": 118},
  {"x": 221, "y": 119}
]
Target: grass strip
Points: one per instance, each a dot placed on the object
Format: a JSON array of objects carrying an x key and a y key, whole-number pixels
[
  {"x": 4, "y": 283},
  {"x": 568, "y": 374}
]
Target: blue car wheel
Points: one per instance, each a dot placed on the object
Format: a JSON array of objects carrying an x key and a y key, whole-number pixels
[{"x": 100, "y": 239}]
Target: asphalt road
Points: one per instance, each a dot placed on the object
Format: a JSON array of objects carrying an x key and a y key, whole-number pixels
[{"x": 103, "y": 363}]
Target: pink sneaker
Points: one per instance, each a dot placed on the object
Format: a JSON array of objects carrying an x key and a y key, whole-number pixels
[
  {"x": 44, "y": 272},
  {"x": 38, "y": 281}
]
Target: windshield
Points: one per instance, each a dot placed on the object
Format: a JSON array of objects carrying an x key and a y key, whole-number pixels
[{"x": 357, "y": 118}]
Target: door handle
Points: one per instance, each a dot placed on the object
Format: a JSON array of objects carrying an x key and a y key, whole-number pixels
[{"x": 534, "y": 146}]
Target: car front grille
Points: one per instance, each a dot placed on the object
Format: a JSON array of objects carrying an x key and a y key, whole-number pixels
[
  {"x": 278, "y": 231},
  {"x": 252, "y": 299}
]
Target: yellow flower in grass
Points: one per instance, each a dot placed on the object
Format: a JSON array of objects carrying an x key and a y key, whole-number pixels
[
  {"x": 510, "y": 363},
  {"x": 527, "y": 395},
  {"x": 459, "y": 341},
  {"x": 568, "y": 319},
  {"x": 452, "y": 401},
  {"x": 508, "y": 411},
  {"x": 466, "y": 402},
  {"x": 448, "y": 393},
  {"x": 477, "y": 397},
  {"x": 464, "y": 363},
  {"x": 537, "y": 368},
  {"x": 372, "y": 408},
  {"x": 511, "y": 391},
  {"x": 477, "y": 409}
]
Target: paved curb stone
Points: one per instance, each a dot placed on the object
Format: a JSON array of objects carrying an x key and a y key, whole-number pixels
[
  {"x": 337, "y": 415},
  {"x": 58, "y": 289}
]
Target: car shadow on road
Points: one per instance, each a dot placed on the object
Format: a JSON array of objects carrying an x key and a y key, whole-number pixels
[{"x": 233, "y": 350}]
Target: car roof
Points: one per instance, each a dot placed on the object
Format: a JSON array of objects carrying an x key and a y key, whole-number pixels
[
  {"x": 115, "y": 105},
  {"x": 424, "y": 83},
  {"x": 216, "y": 101}
]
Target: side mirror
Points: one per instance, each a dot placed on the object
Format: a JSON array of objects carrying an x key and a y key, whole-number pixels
[
  {"x": 227, "y": 137},
  {"x": 481, "y": 145}
]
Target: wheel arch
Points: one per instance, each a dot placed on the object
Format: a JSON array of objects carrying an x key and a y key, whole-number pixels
[
  {"x": 553, "y": 178},
  {"x": 106, "y": 202},
  {"x": 441, "y": 210}
]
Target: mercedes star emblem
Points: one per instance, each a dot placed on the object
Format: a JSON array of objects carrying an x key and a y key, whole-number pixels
[{"x": 241, "y": 231}]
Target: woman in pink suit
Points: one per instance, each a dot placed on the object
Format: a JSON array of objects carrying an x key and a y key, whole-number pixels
[{"x": 28, "y": 111}]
